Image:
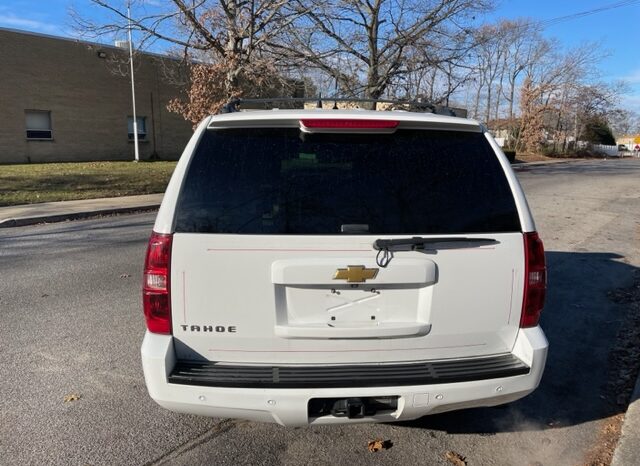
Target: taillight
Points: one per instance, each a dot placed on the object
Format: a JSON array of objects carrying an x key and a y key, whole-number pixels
[
  {"x": 535, "y": 281},
  {"x": 156, "y": 301}
]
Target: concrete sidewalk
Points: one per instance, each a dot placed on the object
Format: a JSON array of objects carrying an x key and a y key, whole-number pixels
[{"x": 46, "y": 212}]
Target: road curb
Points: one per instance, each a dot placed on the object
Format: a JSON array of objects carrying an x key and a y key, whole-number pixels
[
  {"x": 539, "y": 162},
  {"x": 627, "y": 451},
  {"x": 25, "y": 221}
]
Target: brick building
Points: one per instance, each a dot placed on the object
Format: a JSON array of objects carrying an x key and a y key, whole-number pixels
[{"x": 68, "y": 100}]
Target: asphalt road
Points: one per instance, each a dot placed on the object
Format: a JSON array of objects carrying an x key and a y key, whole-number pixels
[{"x": 70, "y": 323}]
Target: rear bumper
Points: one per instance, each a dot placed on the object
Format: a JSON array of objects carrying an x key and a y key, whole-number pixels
[{"x": 289, "y": 406}]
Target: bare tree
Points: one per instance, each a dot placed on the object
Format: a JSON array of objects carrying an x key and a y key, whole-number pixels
[
  {"x": 222, "y": 42},
  {"x": 595, "y": 101},
  {"x": 491, "y": 50},
  {"x": 561, "y": 88},
  {"x": 525, "y": 48},
  {"x": 623, "y": 122},
  {"x": 502, "y": 52},
  {"x": 364, "y": 45},
  {"x": 432, "y": 77}
]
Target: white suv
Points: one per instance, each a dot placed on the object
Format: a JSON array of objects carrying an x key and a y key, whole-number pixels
[{"x": 334, "y": 266}]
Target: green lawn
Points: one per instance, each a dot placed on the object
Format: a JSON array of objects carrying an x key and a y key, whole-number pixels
[{"x": 28, "y": 184}]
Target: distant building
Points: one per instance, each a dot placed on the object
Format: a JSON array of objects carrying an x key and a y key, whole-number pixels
[
  {"x": 65, "y": 100},
  {"x": 629, "y": 140},
  {"x": 503, "y": 130}
]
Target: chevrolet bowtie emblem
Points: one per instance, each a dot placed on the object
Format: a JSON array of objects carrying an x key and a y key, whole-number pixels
[{"x": 355, "y": 274}]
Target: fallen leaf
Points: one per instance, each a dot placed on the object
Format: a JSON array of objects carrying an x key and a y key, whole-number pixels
[
  {"x": 379, "y": 444},
  {"x": 455, "y": 458},
  {"x": 71, "y": 397}
]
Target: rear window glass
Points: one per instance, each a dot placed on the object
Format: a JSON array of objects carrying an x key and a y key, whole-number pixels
[{"x": 281, "y": 181}]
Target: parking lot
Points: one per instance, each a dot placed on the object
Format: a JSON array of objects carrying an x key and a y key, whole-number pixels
[{"x": 71, "y": 324}]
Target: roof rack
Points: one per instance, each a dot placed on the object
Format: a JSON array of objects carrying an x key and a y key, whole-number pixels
[{"x": 413, "y": 105}]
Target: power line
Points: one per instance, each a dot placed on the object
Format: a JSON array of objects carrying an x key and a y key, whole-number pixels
[{"x": 582, "y": 14}]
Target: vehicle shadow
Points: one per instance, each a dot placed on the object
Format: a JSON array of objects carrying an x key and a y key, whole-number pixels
[{"x": 581, "y": 323}]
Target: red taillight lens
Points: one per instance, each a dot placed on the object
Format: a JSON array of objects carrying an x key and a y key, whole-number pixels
[
  {"x": 342, "y": 123},
  {"x": 535, "y": 281},
  {"x": 156, "y": 301}
]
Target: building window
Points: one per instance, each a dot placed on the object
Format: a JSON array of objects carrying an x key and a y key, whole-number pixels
[
  {"x": 38, "y": 124},
  {"x": 142, "y": 127}
]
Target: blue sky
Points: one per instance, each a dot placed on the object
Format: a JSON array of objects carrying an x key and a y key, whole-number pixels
[{"x": 618, "y": 30}]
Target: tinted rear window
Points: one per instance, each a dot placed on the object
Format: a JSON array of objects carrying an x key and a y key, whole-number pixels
[{"x": 279, "y": 181}]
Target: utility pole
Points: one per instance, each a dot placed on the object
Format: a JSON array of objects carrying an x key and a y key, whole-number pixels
[{"x": 133, "y": 87}]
